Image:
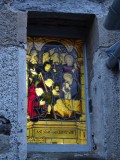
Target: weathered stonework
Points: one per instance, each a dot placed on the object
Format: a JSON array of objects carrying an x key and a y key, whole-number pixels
[
  {"x": 13, "y": 28},
  {"x": 65, "y": 6},
  {"x": 105, "y": 93},
  {"x": 11, "y": 101},
  {"x": 8, "y": 93},
  {"x": 104, "y": 87},
  {"x": 106, "y": 38},
  {"x": 8, "y": 27}
]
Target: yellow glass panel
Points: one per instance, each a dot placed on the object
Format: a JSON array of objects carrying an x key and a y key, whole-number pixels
[
  {"x": 82, "y": 69},
  {"x": 56, "y": 91},
  {"x": 83, "y": 107},
  {"x": 83, "y": 117},
  {"x": 80, "y": 61},
  {"x": 82, "y": 79},
  {"x": 82, "y": 92}
]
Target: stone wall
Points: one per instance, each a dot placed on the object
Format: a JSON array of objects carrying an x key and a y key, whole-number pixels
[
  {"x": 12, "y": 59},
  {"x": 104, "y": 92},
  {"x": 105, "y": 96},
  {"x": 103, "y": 83}
]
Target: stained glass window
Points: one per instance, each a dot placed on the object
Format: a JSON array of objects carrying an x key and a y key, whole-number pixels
[{"x": 55, "y": 85}]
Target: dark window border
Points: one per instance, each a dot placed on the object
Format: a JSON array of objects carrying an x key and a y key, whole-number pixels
[{"x": 62, "y": 26}]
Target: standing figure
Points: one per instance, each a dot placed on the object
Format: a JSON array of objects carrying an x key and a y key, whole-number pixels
[
  {"x": 71, "y": 68},
  {"x": 67, "y": 90},
  {"x": 31, "y": 97}
]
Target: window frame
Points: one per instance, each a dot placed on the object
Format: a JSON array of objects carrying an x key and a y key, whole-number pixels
[{"x": 69, "y": 147}]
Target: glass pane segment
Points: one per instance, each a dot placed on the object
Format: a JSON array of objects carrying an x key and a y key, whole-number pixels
[{"x": 56, "y": 94}]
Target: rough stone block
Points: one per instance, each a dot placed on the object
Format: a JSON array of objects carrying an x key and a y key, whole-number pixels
[
  {"x": 8, "y": 25},
  {"x": 4, "y": 144},
  {"x": 12, "y": 27},
  {"x": 65, "y": 6},
  {"x": 106, "y": 38},
  {"x": 11, "y": 65},
  {"x": 105, "y": 92},
  {"x": 21, "y": 27}
]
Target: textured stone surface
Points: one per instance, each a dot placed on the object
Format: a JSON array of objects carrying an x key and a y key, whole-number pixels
[
  {"x": 106, "y": 83},
  {"x": 8, "y": 93},
  {"x": 4, "y": 144},
  {"x": 12, "y": 27},
  {"x": 22, "y": 104},
  {"x": 105, "y": 119},
  {"x": 106, "y": 38},
  {"x": 68, "y": 6},
  {"x": 21, "y": 28},
  {"x": 60, "y": 156},
  {"x": 5, "y": 4},
  {"x": 8, "y": 24},
  {"x": 92, "y": 46},
  {"x": 112, "y": 115},
  {"x": 12, "y": 60},
  {"x": 98, "y": 101},
  {"x": 105, "y": 92},
  {"x": 9, "y": 88}
]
